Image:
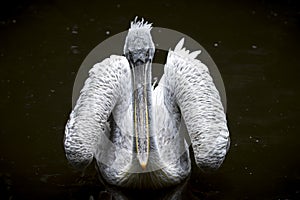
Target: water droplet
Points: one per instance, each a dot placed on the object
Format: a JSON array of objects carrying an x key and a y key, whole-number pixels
[
  {"x": 275, "y": 14},
  {"x": 75, "y": 49},
  {"x": 256, "y": 141},
  {"x": 91, "y": 197},
  {"x": 107, "y": 32},
  {"x": 52, "y": 90},
  {"x": 118, "y": 5},
  {"x": 254, "y": 46},
  {"x": 44, "y": 179},
  {"x": 217, "y": 43},
  {"x": 75, "y": 29}
]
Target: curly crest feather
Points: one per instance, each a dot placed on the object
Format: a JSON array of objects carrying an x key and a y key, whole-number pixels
[{"x": 140, "y": 24}]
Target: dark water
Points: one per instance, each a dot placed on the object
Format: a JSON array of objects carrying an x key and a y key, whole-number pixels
[{"x": 255, "y": 44}]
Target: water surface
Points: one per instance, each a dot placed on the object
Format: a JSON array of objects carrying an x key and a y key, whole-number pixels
[{"x": 255, "y": 46}]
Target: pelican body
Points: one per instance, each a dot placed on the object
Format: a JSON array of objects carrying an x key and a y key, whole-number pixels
[{"x": 133, "y": 130}]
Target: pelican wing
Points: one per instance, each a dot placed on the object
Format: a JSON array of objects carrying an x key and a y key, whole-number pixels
[
  {"x": 87, "y": 123},
  {"x": 200, "y": 106}
]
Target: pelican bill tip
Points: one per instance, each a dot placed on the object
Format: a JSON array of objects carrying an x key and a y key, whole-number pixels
[{"x": 143, "y": 165}]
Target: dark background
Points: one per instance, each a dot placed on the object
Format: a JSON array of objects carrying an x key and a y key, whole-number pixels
[{"x": 255, "y": 45}]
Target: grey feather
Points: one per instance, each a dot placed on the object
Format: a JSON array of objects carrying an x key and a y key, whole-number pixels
[
  {"x": 201, "y": 107},
  {"x": 179, "y": 45},
  {"x": 97, "y": 99}
]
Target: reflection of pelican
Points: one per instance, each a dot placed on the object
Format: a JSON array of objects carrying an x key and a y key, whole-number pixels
[
  {"x": 178, "y": 192},
  {"x": 133, "y": 130}
]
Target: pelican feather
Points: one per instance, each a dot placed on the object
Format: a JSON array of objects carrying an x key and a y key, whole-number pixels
[{"x": 120, "y": 119}]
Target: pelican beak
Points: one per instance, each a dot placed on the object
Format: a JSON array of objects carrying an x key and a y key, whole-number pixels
[{"x": 141, "y": 73}]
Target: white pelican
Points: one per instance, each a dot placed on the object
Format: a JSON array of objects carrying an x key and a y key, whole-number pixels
[{"x": 133, "y": 129}]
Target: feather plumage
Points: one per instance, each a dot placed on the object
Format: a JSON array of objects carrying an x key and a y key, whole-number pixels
[
  {"x": 101, "y": 123},
  {"x": 87, "y": 122},
  {"x": 200, "y": 105}
]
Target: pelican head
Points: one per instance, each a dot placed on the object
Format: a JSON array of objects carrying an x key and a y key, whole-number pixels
[
  {"x": 139, "y": 51},
  {"x": 139, "y": 47}
]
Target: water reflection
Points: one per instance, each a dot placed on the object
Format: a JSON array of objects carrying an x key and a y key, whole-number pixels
[{"x": 163, "y": 194}]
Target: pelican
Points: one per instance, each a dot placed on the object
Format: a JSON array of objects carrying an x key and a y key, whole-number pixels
[{"x": 133, "y": 129}]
